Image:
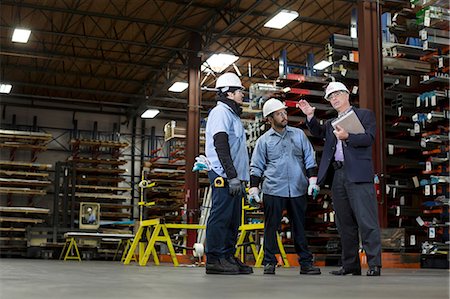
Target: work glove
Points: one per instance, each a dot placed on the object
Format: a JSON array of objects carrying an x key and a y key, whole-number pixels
[
  {"x": 253, "y": 197},
  {"x": 313, "y": 188},
  {"x": 235, "y": 186},
  {"x": 201, "y": 163}
]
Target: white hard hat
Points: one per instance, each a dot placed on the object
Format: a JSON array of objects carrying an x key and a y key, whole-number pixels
[
  {"x": 334, "y": 86},
  {"x": 272, "y": 105},
  {"x": 227, "y": 80}
]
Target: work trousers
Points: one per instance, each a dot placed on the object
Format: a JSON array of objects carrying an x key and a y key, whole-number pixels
[
  {"x": 273, "y": 209},
  {"x": 356, "y": 212},
  {"x": 223, "y": 222}
]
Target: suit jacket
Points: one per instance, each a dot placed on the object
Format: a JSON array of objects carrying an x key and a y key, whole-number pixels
[{"x": 357, "y": 148}]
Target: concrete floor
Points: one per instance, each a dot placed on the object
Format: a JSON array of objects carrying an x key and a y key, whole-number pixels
[{"x": 35, "y": 279}]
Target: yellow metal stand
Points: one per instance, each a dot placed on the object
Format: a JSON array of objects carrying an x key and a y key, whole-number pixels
[
  {"x": 260, "y": 258},
  {"x": 246, "y": 229},
  {"x": 71, "y": 244},
  {"x": 126, "y": 244},
  {"x": 157, "y": 229},
  {"x": 137, "y": 238}
]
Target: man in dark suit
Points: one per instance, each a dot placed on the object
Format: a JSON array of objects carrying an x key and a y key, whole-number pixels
[{"x": 348, "y": 158}]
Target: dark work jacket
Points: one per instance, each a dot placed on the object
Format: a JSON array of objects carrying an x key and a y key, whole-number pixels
[{"x": 357, "y": 148}]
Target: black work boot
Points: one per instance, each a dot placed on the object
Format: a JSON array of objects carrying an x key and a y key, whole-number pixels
[
  {"x": 269, "y": 269},
  {"x": 344, "y": 271},
  {"x": 374, "y": 271},
  {"x": 243, "y": 268},
  {"x": 221, "y": 266},
  {"x": 309, "y": 270}
]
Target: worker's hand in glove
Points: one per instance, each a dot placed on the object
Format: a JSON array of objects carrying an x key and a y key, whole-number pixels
[
  {"x": 235, "y": 186},
  {"x": 313, "y": 188},
  {"x": 201, "y": 163},
  {"x": 253, "y": 197}
]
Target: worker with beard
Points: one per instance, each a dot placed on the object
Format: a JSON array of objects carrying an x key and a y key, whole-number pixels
[
  {"x": 226, "y": 150},
  {"x": 284, "y": 164}
]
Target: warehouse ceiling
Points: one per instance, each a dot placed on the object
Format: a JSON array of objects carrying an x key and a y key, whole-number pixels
[{"x": 123, "y": 55}]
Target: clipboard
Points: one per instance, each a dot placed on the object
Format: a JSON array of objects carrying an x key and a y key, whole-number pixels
[{"x": 350, "y": 122}]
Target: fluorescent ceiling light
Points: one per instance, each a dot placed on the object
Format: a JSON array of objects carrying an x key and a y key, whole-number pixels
[
  {"x": 322, "y": 65},
  {"x": 5, "y": 88},
  {"x": 283, "y": 18},
  {"x": 150, "y": 113},
  {"x": 178, "y": 86},
  {"x": 21, "y": 35},
  {"x": 218, "y": 62}
]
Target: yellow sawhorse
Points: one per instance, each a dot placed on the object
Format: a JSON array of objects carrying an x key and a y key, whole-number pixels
[
  {"x": 246, "y": 230},
  {"x": 143, "y": 225},
  {"x": 156, "y": 237},
  {"x": 125, "y": 244},
  {"x": 157, "y": 229},
  {"x": 71, "y": 244},
  {"x": 70, "y": 250}
]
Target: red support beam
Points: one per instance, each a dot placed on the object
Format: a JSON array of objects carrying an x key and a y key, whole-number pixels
[
  {"x": 371, "y": 95},
  {"x": 192, "y": 136}
]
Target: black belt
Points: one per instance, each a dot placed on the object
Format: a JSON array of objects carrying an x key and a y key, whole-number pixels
[{"x": 337, "y": 165}]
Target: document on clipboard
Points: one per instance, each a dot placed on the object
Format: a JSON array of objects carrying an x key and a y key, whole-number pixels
[{"x": 350, "y": 122}]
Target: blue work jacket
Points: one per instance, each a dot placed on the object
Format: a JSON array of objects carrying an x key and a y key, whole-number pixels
[{"x": 281, "y": 161}]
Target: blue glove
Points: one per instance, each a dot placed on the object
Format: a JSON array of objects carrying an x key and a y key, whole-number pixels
[
  {"x": 253, "y": 197},
  {"x": 313, "y": 188},
  {"x": 201, "y": 163}
]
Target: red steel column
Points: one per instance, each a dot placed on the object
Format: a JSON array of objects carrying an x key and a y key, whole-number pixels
[
  {"x": 192, "y": 136},
  {"x": 371, "y": 86}
]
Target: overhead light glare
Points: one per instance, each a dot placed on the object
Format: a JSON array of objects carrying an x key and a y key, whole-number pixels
[
  {"x": 21, "y": 35},
  {"x": 218, "y": 62},
  {"x": 5, "y": 88},
  {"x": 150, "y": 113},
  {"x": 322, "y": 65},
  {"x": 178, "y": 86},
  {"x": 281, "y": 19}
]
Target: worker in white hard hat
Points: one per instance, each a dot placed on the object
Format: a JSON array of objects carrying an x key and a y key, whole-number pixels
[
  {"x": 226, "y": 150},
  {"x": 283, "y": 163},
  {"x": 347, "y": 159}
]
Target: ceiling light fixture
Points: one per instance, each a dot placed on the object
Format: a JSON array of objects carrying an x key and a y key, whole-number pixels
[
  {"x": 150, "y": 113},
  {"x": 178, "y": 86},
  {"x": 5, "y": 88},
  {"x": 21, "y": 35},
  {"x": 218, "y": 62},
  {"x": 281, "y": 19},
  {"x": 322, "y": 65}
]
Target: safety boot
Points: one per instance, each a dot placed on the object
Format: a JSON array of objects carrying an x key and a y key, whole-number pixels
[
  {"x": 309, "y": 270},
  {"x": 243, "y": 268},
  {"x": 222, "y": 267},
  {"x": 269, "y": 269}
]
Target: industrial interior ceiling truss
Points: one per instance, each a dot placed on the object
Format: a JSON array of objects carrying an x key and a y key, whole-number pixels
[{"x": 121, "y": 56}]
